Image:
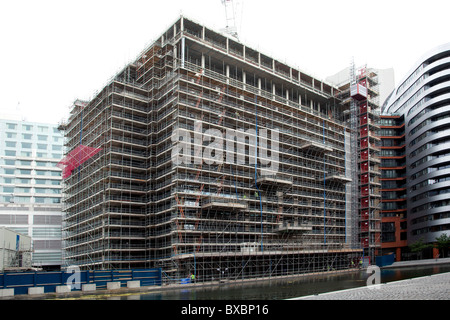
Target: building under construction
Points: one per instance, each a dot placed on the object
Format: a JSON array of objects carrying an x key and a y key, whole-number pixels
[{"x": 205, "y": 156}]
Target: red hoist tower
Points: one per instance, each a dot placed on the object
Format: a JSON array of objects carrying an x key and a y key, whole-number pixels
[{"x": 368, "y": 213}]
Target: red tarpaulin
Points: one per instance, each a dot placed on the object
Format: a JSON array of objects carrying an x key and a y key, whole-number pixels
[{"x": 76, "y": 158}]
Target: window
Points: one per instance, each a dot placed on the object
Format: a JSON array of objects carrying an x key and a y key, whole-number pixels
[
  {"x": 26, "y": 145},
  {"x": 8, "y": 189},
  {"x": 26, "y": 136},
  {"x": 9, "y": 171},
  {"x": 9, "y": 162},
  {"x": 56, "y": 148},
  {"x": 11, "y": 135},
  {"x": 42, "y": 137},
  {"x": 10, "y": 153},
  {"x": 11, "y": 126},
  {"x": 10, "y": 144},
  {"x": 42, "y": 129},
  {"x": 22, "y": 199},
  {"x": 27, "y": 127},
  {"x": 41, "y": 155},
  {"x": 25, "y": 171},
  {"x": 7, "y": 180},
  {"x": 23, "y": 190},
  {"x": 25, "y": 153},
  {"x": 25, "y": 162},
  {"x": 41, "y": 146}
]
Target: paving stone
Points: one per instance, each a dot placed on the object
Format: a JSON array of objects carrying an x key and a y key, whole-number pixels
[{"x": 435, "y": 287}]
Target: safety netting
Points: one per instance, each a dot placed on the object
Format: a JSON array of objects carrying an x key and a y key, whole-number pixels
[{"x": 76, "y": 158}]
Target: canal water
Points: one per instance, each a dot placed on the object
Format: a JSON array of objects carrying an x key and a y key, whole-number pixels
[{"x": 288, "y": 288}]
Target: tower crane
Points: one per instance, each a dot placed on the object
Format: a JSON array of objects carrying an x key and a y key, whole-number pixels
[{"x": 230, "y": 18}]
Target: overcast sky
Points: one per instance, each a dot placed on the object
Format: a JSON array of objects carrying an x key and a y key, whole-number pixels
[{"x": 53, "y": 52}]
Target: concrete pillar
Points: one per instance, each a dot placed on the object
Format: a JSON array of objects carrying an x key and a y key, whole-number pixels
[
  {"x": 134, "y": 284},
  {"x": 7, "y": 292},
  {"x": 88, "y": 287},
  {"x": 62, "y": 289},
  {"x": 35, "y": 290},
  {"x": 182, "y": 51},
  {"x": 113, "y": 285}
]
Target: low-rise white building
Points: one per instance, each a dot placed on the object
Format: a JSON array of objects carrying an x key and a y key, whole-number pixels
[{"x": 15, "y": 250}]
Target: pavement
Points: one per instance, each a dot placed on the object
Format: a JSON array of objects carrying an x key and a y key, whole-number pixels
[{"x": 434, "y": 287}]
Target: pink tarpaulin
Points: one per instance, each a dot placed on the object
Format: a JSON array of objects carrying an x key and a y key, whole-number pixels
[{"x": 76, "y": 158}]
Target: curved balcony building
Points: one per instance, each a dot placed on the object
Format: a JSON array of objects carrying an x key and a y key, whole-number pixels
[{"x": 423, "y": 98}]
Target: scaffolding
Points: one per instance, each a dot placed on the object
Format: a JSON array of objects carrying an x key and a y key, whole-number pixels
[
  {"x": 260, "y": 190},
  {"x": 361, "y": 111}
]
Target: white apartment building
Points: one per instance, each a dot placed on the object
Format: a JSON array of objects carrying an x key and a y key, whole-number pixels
[{"x": 30, "y": 186}]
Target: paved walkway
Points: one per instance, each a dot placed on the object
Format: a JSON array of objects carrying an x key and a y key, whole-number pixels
[{"x": 434, "y": 287}]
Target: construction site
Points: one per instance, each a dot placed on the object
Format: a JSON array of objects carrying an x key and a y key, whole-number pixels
[{"x": 206, "y": 157}]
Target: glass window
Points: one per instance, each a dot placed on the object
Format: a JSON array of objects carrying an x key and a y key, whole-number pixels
[
  {"x": 25, "y": 162},
  {"x": 23, "y": 190},
  {"x": 12, "y": 126},
  {"x": 26, "y": 145},
  {"x": 42, "y": 137},
  {"x": 56, "y": 148},
  {"x": 11, "y": 135},
  {"x": 9, "y": 171},
  {"x": 25, "y": 171},
  {"x": 41, "y": 146},
  {"x": 27, "y": 127},
  {"x": 10, "y": 162},
  {"x": 42, "y": 129},
  {"x": 25, "y": 153},
  {"x": 10, "y": 153},
  {"x": 10, "y": 144},
  {"x": 26, "y": 136},
  {"x": 22, "y": 199},
  {"x": 41, "y": 155},
  {"x": 8, "y": 189}
]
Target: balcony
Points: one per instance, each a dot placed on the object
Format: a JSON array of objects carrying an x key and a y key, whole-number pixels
[
  {"x": 217, "y": 202},
  {"x": 292, "y": 227},
  {"x": 274, "y": 180}
]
